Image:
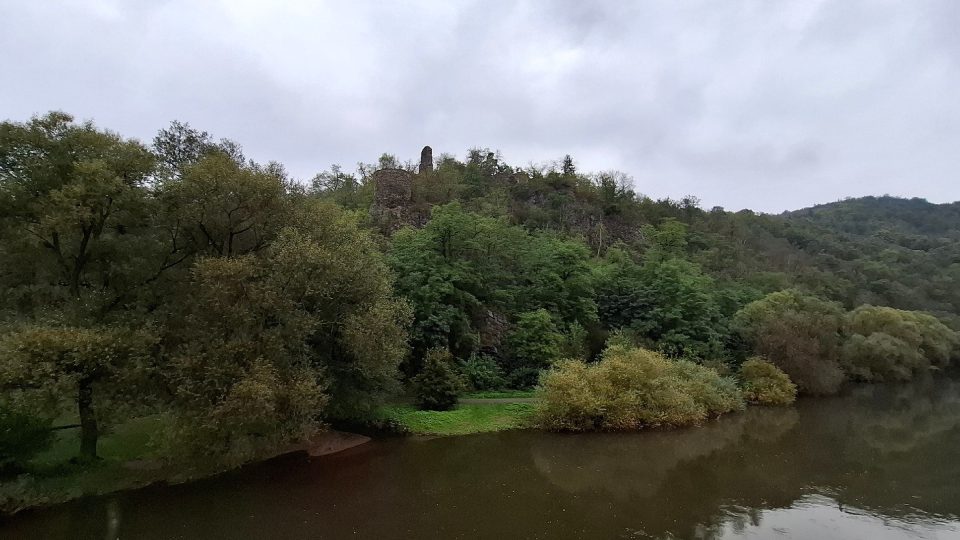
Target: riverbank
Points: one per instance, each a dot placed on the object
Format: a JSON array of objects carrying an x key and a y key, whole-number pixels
[{"x": 128, "y": 459}]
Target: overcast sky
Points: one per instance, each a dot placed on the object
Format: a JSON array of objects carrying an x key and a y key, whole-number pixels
[{"x": 752, "y": 104}]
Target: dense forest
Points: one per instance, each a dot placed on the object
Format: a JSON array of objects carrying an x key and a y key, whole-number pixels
[{"x": 181, "y": 280}]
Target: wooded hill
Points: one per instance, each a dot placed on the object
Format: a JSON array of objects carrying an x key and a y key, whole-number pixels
[{"x": 183, "y": 281}]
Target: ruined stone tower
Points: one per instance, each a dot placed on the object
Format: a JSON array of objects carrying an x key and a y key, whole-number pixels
[
  {"x": 426, "y": 160},
  {"x": 392, "y": 194}
]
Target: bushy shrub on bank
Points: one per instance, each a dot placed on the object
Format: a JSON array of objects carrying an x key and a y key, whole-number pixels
[
  {"x": 765, "y": 384},
  {"x": 437, "y": 386},
  {"x": 482, "y": 373},
  {"x": 799, "y": 334},
  {"x": 632, "y": 388},
  {"x": 887, "y": 344}
]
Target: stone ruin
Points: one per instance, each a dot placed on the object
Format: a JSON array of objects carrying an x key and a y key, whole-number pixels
[
  {"x": 426, "y": 160},
  {"x": 392, "y": 195}
]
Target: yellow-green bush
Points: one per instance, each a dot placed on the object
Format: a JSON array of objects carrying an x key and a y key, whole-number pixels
[
  {"x": 766, "y": 384},
  {"x": 632, "y": 388}
]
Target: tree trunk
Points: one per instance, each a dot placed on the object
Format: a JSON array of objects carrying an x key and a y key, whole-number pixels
[{"x": 88, "y": 421}]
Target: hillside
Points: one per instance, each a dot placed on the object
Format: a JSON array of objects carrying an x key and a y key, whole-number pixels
[{"x": 874, "y": 250}]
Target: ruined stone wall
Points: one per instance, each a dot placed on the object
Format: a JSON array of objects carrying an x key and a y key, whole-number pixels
[
  {"x": 426, "y": 160},
  {"x": 392, "y": 195}
]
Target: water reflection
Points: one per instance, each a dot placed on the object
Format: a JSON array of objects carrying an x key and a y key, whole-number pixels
[{"x": 877, "y": 463}]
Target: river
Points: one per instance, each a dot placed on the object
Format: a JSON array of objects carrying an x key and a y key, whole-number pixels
[{"x": 878, "y": 462}]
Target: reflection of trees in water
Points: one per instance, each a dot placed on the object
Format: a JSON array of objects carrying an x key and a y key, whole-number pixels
[
  {"x": 900, "y": 418},
  {"x": 629, "y": 464},
  {"x": 897, "y": 448},
  {"x": 874, "y": 449},
  {"x": 673, "y": 481}
]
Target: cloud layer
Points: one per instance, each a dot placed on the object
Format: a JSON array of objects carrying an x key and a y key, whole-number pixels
[{"x": 746, "y": 104}]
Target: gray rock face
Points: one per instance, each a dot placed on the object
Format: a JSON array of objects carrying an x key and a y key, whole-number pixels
[
  {"x": 426, "y": 160},
  {"x": 392, "y": 194}
]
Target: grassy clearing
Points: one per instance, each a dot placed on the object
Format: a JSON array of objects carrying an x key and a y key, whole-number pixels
[
  {"x": 55, "y": 475},
  {"x": 462, "y": 420},
  {"x": 500, "y": 394}
]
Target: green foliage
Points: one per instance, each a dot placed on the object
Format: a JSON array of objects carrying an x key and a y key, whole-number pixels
[
  {"x": 632, "y": 388},
  {"x": 262, "y": 343},
  {"x": 437, "y": 386},
  {"x": 534, "y": 343},
  {"x": 22, "y": 436},
  {"x": 667, "y": 302},
  {"x": 884, "y": 344},
  {"x": 72, "y": 198},
  {"x": 482, "y": 373},
  {"x": 799, "y": 334},
  {"x": 226, "y": 208},
  {"x": 668, "y": 240},
  {"x": 766, "y": 384},
  {"x": 461, "y": 266},
  {"x": 97, "y": 370},
  {"x": 575, "y": 342},
  {"x": 179, "y": 146}
]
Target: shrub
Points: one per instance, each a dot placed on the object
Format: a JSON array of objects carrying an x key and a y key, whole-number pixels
[
  {"x": 482, "y": 373},
  {"x": 437, "y": 386},
  {"x": 799, "y": 334},
  {"x": 632, "y": 388},
  {"x": 766, "y": 384},
  {"x": 22, "y": 436},
  {"x": 885, "y": 344}
]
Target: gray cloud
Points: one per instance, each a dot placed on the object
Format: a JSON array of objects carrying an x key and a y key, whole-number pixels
[{"x": 766, "y": 105}]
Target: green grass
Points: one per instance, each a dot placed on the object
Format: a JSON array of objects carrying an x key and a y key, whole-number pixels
[
  {"x": 500, "y": 394},
  {"x": 130, "y": 440},
  {"x": 462, "y": 420}
]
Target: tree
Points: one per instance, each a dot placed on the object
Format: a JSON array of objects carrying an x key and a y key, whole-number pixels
[
  {"x": 73, "y": 200},
  {"x": 437, "y": 386},
  {"x": 482, "y": 373},
  {"x": 265, "y": 344},
  {"x": 222, "y": 207},
  {"x": 555, "y": 274},
  {"x": 670, "y": 303},
  {"x": 799, "y": 334},
  {"x": 95, "y": 368},
  {"x": 179, "y": 146},
  {"x": 534, "y": 344},
  {"x": 448, "y": 270}
]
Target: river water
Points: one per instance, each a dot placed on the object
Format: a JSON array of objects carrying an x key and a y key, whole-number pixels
[{"x": 879, "y": 462}]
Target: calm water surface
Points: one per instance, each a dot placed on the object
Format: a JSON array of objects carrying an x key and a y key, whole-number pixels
[{"x": 881, "y": 462}]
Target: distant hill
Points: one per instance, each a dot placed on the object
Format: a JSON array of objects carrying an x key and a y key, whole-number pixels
[
  {"x": 903, "y": 252},
  {"x": 867, "y": 215}
]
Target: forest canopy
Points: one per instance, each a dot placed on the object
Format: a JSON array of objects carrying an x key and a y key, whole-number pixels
[{"x": 249, "y": 309}]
